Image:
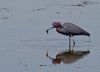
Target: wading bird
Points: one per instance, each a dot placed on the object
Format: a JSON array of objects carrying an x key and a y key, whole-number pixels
[{"x": 68, "y": 29}]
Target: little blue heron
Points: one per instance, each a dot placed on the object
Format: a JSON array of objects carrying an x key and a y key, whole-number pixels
[{"x": 68, "y": 29}]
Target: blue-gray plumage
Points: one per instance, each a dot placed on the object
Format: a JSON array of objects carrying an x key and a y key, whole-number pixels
[
  {"x": 68, "y": 29},
  {"x": 72, "y": 29}
]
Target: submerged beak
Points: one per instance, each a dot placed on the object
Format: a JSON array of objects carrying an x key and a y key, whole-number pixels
[{"x": 49, "y": 29}]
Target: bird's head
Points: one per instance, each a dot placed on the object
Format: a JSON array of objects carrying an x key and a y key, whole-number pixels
[{"x": 54, "y": 25}]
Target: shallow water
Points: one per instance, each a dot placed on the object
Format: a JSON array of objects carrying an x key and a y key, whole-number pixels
[{"x": 25, "y": 46}]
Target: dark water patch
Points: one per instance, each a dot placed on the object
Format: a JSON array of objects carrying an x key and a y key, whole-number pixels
[
  {"x": 42, "y": 65},
  {"x": 4, "y": 18},
  {"x": 39, "y": 9},
  {"x": 26, "y": 67},
  {"x": 89, "y": 2},
  {"x": 58, "y": 4},
  {"x": 58, "y": 12},
  {"x": 79, "y": 5},
  {"x": 4, "y": 10},
  {"x": 83, "y": 4},
  {"x": 29, "y": 19},
  {"x": 78, "y": 67},
  {"x": 4, "y": 13}
]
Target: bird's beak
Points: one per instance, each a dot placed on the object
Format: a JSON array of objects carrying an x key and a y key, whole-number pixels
[{"x": 49, "y": 29}]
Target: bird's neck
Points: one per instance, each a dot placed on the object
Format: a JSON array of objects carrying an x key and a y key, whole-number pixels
[{"x": 58, "y": 29}]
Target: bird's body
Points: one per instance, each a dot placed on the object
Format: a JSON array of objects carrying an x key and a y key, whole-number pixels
[
  {"x": 71, "y": 29},
  {"x": 68, "y": 29}
]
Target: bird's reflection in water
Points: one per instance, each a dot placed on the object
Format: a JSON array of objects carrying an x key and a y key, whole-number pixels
[{"x": 68, "y": 57}]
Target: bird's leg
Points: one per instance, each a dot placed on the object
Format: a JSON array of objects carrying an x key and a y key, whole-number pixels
[
  {"x": 69, "y": 43},
  {"x": 73, "y": 44},
  {"x": 49, "y": 56}
]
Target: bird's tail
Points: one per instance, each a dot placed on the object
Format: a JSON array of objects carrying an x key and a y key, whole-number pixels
[{"x": 86, "y": 33}]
